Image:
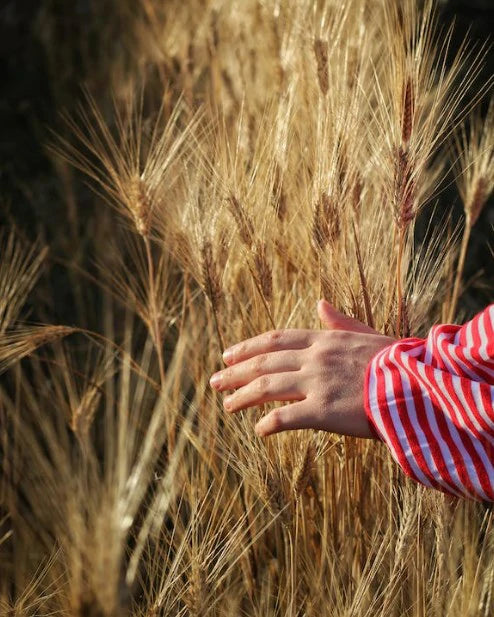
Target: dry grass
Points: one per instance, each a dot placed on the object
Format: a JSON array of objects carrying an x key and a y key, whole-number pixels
[{"x": 277, "y": 152}]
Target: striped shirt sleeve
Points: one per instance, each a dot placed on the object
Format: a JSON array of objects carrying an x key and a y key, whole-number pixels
[{"x": 432, "y": 402}]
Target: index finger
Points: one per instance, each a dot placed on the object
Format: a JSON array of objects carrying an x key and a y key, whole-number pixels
[{"x": 274, "y": 340}]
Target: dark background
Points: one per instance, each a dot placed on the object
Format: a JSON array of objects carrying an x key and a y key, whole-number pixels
[{"x": 49, "y": 48}]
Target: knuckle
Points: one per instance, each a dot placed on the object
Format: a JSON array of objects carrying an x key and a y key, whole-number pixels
[
  {"x": 337, "y": 337},
  {"x": 263, "y": 384},
  {"x": 274, "y": 336},
  {"x": 241, "y": 350},
  {"x": 322, "y": 354},
  {"x": 259, "y": 364}
]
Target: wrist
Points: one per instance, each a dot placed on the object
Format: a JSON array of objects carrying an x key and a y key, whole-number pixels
[{"x": 373, "y": 429}]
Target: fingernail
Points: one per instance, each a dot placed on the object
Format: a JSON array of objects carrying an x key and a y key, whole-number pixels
[
  {"x": 227, "y": 403},
  {"x": 215, "y": 380},
  {"x": 228, "y": 355}
]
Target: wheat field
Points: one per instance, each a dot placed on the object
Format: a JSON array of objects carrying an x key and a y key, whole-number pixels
[{"x": 229, "y": 164}]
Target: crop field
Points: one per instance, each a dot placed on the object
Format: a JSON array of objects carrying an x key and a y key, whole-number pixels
[{"x": 228, "y": 163}]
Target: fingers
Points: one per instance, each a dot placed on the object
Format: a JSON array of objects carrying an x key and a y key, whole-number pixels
[
  {"x": 334, "y": 320},
  {"x": 275, "y": 340},
  {"x": 243, "y": 372},
  {"x": 276, "y": 387},
  {"x": 287, "y": 418}
]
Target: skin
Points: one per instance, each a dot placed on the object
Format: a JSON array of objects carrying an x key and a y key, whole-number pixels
[{"x": 319, "y": 373}]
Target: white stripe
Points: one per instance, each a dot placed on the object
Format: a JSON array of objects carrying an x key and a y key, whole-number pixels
[
  {"x": 412, "y": 414},
  {"x": 450, "y": 426},
  {"x": 490, "y": 311},
  {"x": 477, "y": 364},
  {"x": 429, "y": 347},
  {"x": 477, "y": 444},
  {"x": 471, "y": 345},
  {"x": 468, "y": 331},
  {"x": 464, "y": 368},
  {"x": 469, "y": 466},
  {"x": 376, "y": 412},
  {"x": 479, "y": 403},
  {"x": 412, "y": 348},
  {"x": 398, "y": 426},
  {"x": 432, "y": 421},
  {"x": 483, "y": 337},
  {"x": 446, "y": 360},
  {"x": 459, "y": 393},
  {"x": 373, "y": 402}
]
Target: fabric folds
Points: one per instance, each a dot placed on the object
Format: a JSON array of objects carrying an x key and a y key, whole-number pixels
[{"x": 432, "y": 402}]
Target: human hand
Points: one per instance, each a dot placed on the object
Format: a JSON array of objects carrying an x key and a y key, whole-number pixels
[{"x": 321, "y": 371}]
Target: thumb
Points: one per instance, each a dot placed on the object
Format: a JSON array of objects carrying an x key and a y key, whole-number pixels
[{"x": 334, "y": 320}]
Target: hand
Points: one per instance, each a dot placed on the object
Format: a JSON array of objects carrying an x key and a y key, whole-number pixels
[{"x": 322, "y": 371}]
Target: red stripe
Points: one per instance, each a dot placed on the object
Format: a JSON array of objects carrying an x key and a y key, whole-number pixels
[
  {"x": 487, "y": 396},
  {"x": 460, "y": 362},
  {"x": 477, "y": 343},
  {"x": 436, "y": 333},
  {"x": 488, "y": 399},
  {"x": 482, "y": 375},
  {"x": 467, "y": 393},
  {"x": 429, "y": 433},
  {"x": 489, "y": 328},
  {"x": 465, "y": 437},
  {"x": 444, "y": 347},
  {"x": 436, "y": 361},
  {"x": 438, "y": 405},
  {"x": 448, "y": 379},
  {"x": 388, "y": 423},
  {"x": 460, "y": 414},
  {"x": 474, "y": 329},
  {"x": 403, "y": 414},
  {"x": 367, "y": 405},
  {"x": 489, "y": 331}
]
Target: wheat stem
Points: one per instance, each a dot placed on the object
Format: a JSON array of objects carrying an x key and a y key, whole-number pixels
[
  {"x": 218, "y": 331},
  {"x": 154, "y": 316},
  {"x": 363, "y": 281},
  {"x": 212, "y": 286},
  {"x": 459, "y": 270},
  {"x": 399, "y": 290},
  {"x": 263, "y": 299}
]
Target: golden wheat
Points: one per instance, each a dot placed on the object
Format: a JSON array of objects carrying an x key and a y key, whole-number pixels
[{"x": 277, "y": 151}]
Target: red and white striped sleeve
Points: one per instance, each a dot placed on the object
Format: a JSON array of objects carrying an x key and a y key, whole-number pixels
[{"x": 432, "y": 402}]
